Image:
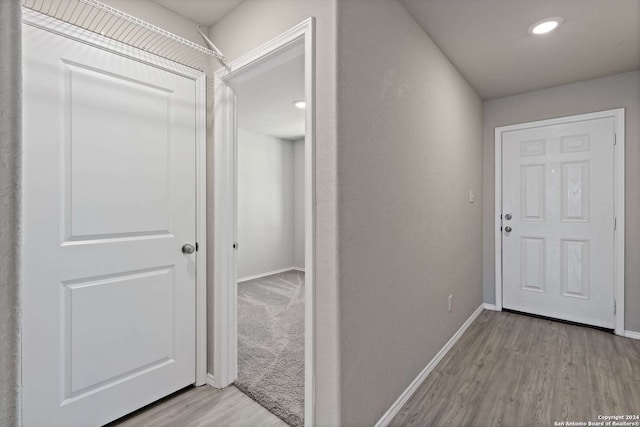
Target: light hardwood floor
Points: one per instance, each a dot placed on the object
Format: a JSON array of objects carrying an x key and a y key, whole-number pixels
[
  {"x": 202, "y": 407},
  {"x": 506, "y": 370},
  {"x": 515, "y": 370}
]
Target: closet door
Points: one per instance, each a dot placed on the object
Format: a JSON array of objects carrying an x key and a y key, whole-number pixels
[{"x": 108, "y": 203}]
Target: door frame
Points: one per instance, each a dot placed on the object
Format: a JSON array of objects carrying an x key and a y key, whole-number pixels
[
  {"x": 225, "y": 351},
  {"x": 619, "y": 199},
  {"x": 55, "y": 26}
]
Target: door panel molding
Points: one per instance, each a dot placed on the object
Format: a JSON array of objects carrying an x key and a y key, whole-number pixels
[
  {"x": 58, "y": 28},
  {"x": 571, "y": 144}
]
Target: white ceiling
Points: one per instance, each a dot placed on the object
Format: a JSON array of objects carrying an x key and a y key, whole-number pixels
[
  {"x": 489, "y": 43},
  {"x": 266, "y": 93},
  {"x": 204, "y": 12}
]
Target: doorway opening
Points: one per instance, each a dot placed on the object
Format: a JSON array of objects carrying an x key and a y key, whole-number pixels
[
  {"x": 264, "y": 225},
  {"x": 270, "y": 243}
]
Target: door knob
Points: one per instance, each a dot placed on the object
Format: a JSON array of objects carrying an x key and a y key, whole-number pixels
[
  {"x": 508, "y": 229},
  {"x": 188, "y": 248}
]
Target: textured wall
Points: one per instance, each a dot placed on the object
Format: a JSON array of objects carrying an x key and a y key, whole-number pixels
[
  {"x": 248, "y": 26},
  {"x": 618, "y": 91},
  {"x": 265, "y": 204},
  {"x": 10, "y": 162},
  {"x": 298, "y": 203},
  {"x": 410, "y": 148}
]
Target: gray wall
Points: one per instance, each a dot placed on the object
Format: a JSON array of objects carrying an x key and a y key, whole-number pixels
[
  {"x": 248, "y": 26},
  {"x": 410, "y": 148},
  {"x": 621, "y": 90},
  {"x": 266, "y": 204},
  {"x": 298, "y": 203},
  {"x": 10, "y": 160}
]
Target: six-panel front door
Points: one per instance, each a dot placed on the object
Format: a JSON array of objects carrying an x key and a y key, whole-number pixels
[
  {"x": 109, "y": 200},
  {"x": 558, "y": 221}
]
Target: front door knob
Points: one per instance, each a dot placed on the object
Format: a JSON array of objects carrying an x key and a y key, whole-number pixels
[
  {"x": 508, "y": 229},
  {"x": 188, "y": 248}
]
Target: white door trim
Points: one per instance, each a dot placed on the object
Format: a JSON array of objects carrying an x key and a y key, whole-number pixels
[
  {"x": 35, "y": 19},
  {"x": 225, "y": 291},
  {"x": 619, "y": 195}
]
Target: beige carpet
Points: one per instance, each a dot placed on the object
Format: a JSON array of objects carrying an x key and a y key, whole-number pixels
[{"x": 271, "y": 344}]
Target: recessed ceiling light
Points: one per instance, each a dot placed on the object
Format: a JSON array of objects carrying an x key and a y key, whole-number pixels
[
  {"x": 545, "y": 26},
  {"x": 300, "y": 104}
]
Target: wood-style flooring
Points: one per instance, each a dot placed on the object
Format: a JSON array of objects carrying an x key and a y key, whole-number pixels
[
  {"x": 202, "y": 407},
  {"x": 515, "y": 370},
  {"x": 506, "y": 370}
]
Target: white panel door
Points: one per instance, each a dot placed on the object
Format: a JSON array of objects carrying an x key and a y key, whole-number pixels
[
  {"x": 109, "y": 200},
  {"x": 558, "y": 201}
]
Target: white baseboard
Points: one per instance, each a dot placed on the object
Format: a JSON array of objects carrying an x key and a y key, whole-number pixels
[
  {"x": 632, "y": 334},
  {"x": 269, "y": 273},
  {"x": 404, "y": 397},
  {"x": 491, "y": 307}
]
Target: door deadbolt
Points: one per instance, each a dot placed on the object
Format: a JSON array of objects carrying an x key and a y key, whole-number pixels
[
  {"x": 508, "y": 217},
  {"x": 188, "y": 248}
]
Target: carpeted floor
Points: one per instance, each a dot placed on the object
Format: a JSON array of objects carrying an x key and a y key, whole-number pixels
[{"x": 271, "y": 344}]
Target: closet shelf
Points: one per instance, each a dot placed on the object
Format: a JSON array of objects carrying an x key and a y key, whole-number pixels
[{"x": 100, "y": 18}]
